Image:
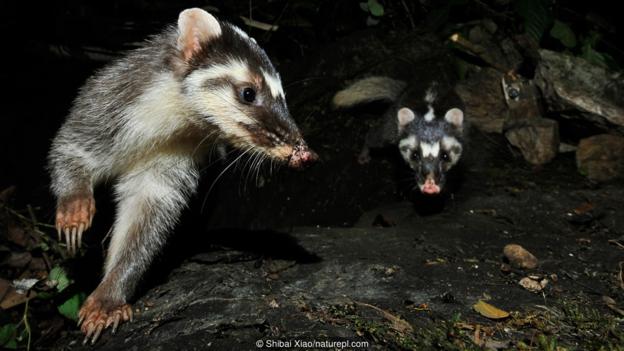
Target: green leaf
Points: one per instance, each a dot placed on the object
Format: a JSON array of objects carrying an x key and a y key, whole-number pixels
[
  {"x": 364, "y": 6},
  {"x": 375, "y": 8},
  {"x": 8, "y": 333},
  {"x": 70, "y": 307},
  {"x": 564, "y": 33},
  {"x": 536, "y": 15},
  {"x": 58, "y": 274}
]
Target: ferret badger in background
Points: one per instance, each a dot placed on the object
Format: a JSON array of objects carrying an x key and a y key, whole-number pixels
[
  {"x": 145, "y": 120},
  {"x": 425, "y": 122}
]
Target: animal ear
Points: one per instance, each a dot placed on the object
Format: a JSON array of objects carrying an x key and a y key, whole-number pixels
[
  {"x": 195, "y": 26},
  {"x": 455, "y": 117},
  {"x": 404, "y": 117}
]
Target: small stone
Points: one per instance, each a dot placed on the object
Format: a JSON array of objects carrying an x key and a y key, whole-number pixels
[
  {"x": 601, "y": 157},
  {"x": 537, "y": 139},
  {"x": 533, "y": 285},
  {"x": 519, "y": 257}
]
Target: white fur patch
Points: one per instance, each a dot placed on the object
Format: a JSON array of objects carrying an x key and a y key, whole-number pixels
[
  {"x": 430, "y": 96},
  {"x": 407, "y": 145},
  {"x": 274, "y": 83},
  {"x": 430, "y": 150},
  {"x": 449, "y": 143},
  {"x": 430, "y": 115},
  {"x": 235, "y": 69},
  {"x": 220, "y": 105}
]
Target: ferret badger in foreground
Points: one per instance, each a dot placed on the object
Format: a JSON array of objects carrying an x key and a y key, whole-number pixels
[
  {"x": 425, "y": 122},
  {"x": 145, "y": 121}
]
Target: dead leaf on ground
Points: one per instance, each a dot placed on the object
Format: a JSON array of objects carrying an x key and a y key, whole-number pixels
[
  {"x": 5, "y": 285},
  {"x": 17, "y": 260},
  {"x": 612, "y": 305},
  {"x": 489, "y": 311},
  {"x": 17, "y": 235},
  {"x": 13, "y": 298},
  {"x": 396, "y": 323},
  {"x": 584, "y": 208},
  {"x": 533, "y": 284}
]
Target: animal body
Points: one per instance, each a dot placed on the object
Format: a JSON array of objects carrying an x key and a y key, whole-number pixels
[
  {"x": 145, "y": 122},
  {"x": 425, "y": 121}
]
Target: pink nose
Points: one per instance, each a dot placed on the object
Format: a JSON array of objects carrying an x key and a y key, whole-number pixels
[
  {"x": 430, "y": 187},
  {"x": 301, "y": 156}
]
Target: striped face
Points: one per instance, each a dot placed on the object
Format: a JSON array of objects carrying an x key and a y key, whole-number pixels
[
  {"x": 430, "y": 146},
  {"x": 233, "y": 85}
]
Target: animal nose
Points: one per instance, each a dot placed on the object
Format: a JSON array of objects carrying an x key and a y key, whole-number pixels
[{"x": 302, "y": 156}]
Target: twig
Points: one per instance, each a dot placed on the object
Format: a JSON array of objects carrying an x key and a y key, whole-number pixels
[
  {"x": 409, "y": 15},
  {"x": 616, "y": 242}
]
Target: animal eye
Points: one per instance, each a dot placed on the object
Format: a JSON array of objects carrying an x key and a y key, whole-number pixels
[
  {"x": 415, "y": 155},
  {"x": 445, "y": 156},
  {"x": 248, "y": 95}
]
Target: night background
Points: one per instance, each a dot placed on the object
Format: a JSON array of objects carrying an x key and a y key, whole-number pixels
[{"x": 343, "y": 250}]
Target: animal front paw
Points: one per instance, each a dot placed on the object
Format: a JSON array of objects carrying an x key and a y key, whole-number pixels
[
  {"x": 73, "y": 216},
  {"x": 95, "y": 315}
]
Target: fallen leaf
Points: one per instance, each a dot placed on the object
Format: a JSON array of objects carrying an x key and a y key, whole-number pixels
[
  {"x": 17, "y": 235},
  {"x": 13, "y": 298},
  {"x": 23, "y": 285},
  {"x": 396, "y": 323},
  {"x": 489, "y": 311},
  {"x": 533, "y": 285},
  {"x": 273, "y": 304},
  {"x": 584, "y": 208},
  {"x": 5, "y": 286},
  {"x": 612, "y": 305},
  {"x": 17, "y": 260}
]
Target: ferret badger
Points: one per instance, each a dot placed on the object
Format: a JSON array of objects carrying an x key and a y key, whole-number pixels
[
  {"x": 145, "y": 121},
  {"x": 425, "y": 122}
]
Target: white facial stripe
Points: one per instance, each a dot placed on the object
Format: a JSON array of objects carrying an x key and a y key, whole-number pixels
[
  {"x": 430, "y": 149},
  {"x": 235, "y": 68},
  {"x": 449, "y": 143},
  {"x": 274, "y": 83},
  {"x": 407, "y": 145},
  {"x": 429, "y": 116}
]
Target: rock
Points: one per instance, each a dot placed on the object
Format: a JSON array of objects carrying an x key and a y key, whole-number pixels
[
  {"x": 601, "y": 157},
  {"x": 575, "y": 88},
  {"x": 519, "y": 257},
  {"x": 537, "y": 139},
  {"x": 484, "y": 101}
]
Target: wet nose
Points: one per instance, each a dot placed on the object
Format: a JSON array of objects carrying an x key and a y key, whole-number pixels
[{"x": 302, "y": 156}]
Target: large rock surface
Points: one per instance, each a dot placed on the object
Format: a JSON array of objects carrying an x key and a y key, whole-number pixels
[
  {"x": 601, "y": 157},
  {"x": 575, "y": 88},
  {"x": 537, "y": 139}
]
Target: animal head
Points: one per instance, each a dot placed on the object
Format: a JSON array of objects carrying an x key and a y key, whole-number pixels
[
  {"x": 229, "y": 80},
  {"x": 430, "y": 145}
]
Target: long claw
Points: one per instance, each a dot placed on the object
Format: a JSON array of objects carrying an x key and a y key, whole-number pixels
[
  {"x": 81, "y": 319},
  {"x": 116, "y": 322},
  {"x": 81, "y": 228},
  {"x": 88, "y": 334},
  {"x": 66, "y": 232},
  {"x": 98, "y": 331},
  {"x": 58, "y": 230}
]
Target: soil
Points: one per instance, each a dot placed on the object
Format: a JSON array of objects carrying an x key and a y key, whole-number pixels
[{"x": 344, "y": 250}]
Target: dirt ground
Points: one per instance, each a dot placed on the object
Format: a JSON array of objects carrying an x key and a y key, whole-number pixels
[{"x": 344, "y": 250}]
